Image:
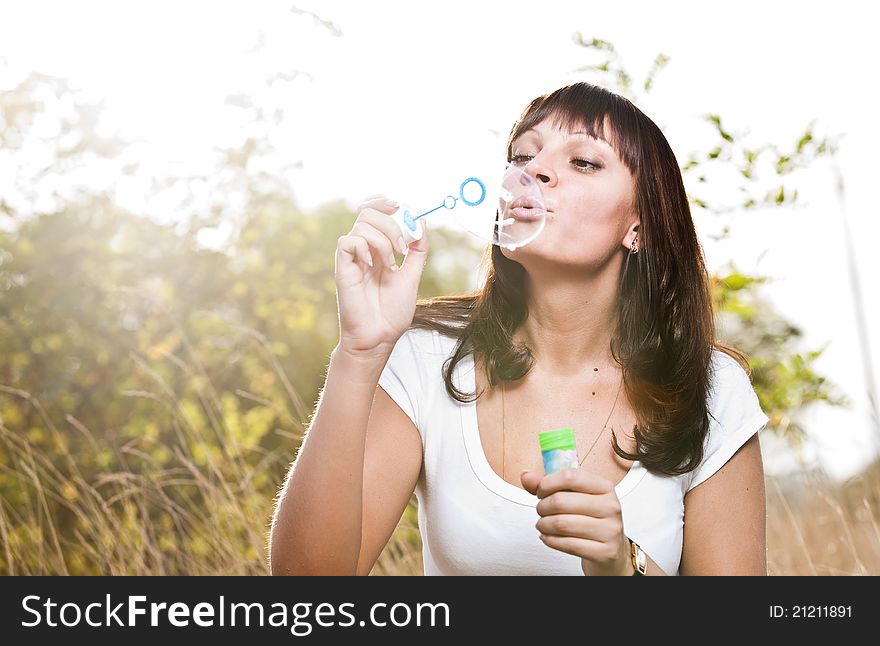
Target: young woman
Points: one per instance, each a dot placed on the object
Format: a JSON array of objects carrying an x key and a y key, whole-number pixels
[{"x": 603, "y": 324}]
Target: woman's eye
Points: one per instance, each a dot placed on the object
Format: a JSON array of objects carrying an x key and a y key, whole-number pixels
[
  {"x": 521, "y": 159},
  {"x": 584, "y": 163}
]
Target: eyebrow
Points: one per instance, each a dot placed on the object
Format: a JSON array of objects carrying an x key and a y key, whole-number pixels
[
  {"x": 592, "y": 138},
  {"x": 577, "y": 132}
]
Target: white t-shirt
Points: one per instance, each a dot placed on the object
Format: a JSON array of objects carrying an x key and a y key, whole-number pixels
[{"x": 473, "y": 522}]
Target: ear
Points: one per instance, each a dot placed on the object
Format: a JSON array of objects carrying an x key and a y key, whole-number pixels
[{"x": 632, "y": 234}]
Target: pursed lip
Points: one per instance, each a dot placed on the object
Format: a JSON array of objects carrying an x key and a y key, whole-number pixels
[
  {"x": 527, "y": 202},
  {"x": 527, "y": 213}
]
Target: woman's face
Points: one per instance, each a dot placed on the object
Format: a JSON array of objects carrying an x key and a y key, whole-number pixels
[{"x": 589, "y": 194}]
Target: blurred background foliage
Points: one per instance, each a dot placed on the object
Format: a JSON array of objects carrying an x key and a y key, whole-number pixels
[{"x": 154, "y": 388}]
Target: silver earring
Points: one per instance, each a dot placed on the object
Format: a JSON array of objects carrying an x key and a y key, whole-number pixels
[{"x": 634, "y": 248}]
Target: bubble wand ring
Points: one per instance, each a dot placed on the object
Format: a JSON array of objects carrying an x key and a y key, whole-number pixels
[
  {"x": 413, "y": 231},
  {"x": 450, "y": 201}
]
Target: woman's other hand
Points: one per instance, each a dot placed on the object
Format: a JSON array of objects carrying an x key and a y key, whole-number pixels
[{"x": 580, "y": 514}]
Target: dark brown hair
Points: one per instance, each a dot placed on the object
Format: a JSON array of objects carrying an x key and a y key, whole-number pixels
[{"x": 665, "y": 332}]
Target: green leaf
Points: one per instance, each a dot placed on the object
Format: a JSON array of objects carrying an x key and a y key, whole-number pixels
[
  {"x": 784, "y": 165},
  {"x": 737, "y": 281},
  {"x": 659, "y": 63},
  {"x": 716, "y": 121},
  {"x": 803, "y": 141},
  {"x": 780, "y": 196}
]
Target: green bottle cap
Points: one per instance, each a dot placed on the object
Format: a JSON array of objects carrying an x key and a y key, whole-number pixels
[{"x": 561, "y": 438}]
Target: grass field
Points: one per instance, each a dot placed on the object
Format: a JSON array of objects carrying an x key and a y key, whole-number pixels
[{"x": 205, "y": 517}]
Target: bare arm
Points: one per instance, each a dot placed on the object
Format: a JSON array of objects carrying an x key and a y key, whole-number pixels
[
  {"x": 353, "y": 476},
  {"x": 725, "y": 529},
  {"x": 358, "y": 463}
]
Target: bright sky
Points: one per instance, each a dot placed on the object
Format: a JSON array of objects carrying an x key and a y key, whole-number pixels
[{"x": 407, "y": 99}]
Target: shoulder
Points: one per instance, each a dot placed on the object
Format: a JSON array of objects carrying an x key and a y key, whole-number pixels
[
  {"x": 723, "y": 361},
  {"x": 422, "y": 351},
  {"x": 426, "y": 342},
  {"x": 735, "y": 415},
  {"x": 413, "y": 373},
  {"x": 727, "y": 379}
]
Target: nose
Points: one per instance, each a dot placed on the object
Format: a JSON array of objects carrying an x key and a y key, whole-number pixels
[{"x": 542, "y": 173}]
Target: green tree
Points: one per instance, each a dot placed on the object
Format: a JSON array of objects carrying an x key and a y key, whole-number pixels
[
  {"x": 151, "y": 389},
  {"x": 761, "y": 178}
]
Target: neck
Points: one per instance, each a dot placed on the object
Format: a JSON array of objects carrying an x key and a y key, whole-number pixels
[{"x": 571, "y": 321}]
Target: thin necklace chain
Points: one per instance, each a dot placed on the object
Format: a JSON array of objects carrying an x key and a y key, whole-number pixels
[{"x": 598, "y": 435}]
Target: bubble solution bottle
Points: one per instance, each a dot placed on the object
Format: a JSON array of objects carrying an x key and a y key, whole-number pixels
[{"x": 558, "y": 449}]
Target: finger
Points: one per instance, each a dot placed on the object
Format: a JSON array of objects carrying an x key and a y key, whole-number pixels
[
  {"x": 383, "y": 204},
  {"x": 383, "y": 223},
  {"x": 416, "y": 257},
  {"x": 573, "y": 480},
  {"x": 586, "y": 549},
  {"x": 356, "y": 248},
  {"x": 530, "y": 480},
  {"x": 602, "y": 530},
  {"x": 573, "y": 525},
  {"x": 378, "y": 241},
  {"x": 576, "y": 502}
]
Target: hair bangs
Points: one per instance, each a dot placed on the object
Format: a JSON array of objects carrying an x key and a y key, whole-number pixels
[{"x": 593, "y": 110}]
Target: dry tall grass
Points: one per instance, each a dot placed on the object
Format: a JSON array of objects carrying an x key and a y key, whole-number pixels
[
  {"x": 817, "y": 527},
  {"x": 206, "y": 511},
  {"x": 206, "y": 514}
]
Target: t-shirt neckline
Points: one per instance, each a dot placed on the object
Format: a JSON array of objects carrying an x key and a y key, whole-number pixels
[{"x": 480, "y": 464}]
